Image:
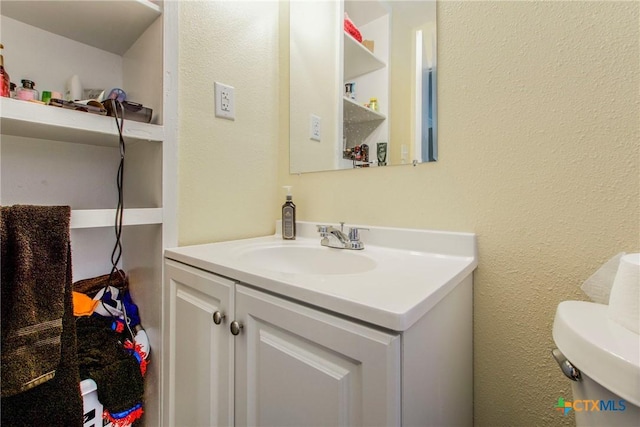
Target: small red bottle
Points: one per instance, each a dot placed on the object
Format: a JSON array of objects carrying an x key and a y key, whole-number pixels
[{"x": 5, "y": 81}]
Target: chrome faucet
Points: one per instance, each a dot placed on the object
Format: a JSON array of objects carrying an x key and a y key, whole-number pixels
[{"x": 336, "y": 238}]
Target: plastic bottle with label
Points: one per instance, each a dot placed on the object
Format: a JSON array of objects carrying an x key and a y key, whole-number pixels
[{"x": 288, "y": 217}]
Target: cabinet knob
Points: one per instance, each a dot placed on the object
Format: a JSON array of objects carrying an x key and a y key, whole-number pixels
[
  {"x": 235, "y": 327},
  {"x": 218, "y": 317}
]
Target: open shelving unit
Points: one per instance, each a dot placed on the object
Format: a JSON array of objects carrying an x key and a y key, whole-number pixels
[
  {"x": 55, "y": 156},
  {"x": 32, "y": 121},
  {"x": 370, "y": 73}
]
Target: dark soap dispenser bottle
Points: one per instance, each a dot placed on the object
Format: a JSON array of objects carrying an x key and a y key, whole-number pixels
[{"x": 288, "y": 217}]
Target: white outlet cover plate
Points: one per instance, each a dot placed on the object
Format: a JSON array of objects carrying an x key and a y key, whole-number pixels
[
  {"x": 225, "y": 101},
  {"x": 315, "y": 130}
]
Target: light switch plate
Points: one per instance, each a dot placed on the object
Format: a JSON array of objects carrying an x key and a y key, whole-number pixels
[
  {"x": 225, "y": 101},
  {"x": 315, "y": 130}
]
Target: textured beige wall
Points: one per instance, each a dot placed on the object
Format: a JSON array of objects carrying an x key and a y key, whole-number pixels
[
  {"x": 539, "y": 155},
  {"x": 227, "y": 169}
]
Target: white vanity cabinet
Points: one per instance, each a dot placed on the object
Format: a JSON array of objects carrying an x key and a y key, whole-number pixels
[
  {"x": 289, "y": 364},
  {"x": 297, "y": 366},
  {"x": 317, "y": 336},
  {"x": 198, "y": 368}
]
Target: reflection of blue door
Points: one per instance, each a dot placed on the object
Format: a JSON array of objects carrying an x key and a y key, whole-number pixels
[{"x": 427, "y": 141}]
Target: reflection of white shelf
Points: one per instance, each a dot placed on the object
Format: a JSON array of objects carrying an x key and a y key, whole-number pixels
[
  {"x": 94, "y": 218},
  {"x": 119, "y": 25},
  {"x": 356, "y": 113},
  {"x": 358, "y": 60},
  {"x": 27, "y": 119},
  {"x": 362, "y": 12}
]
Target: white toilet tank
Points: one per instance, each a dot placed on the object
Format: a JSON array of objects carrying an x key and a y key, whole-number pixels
[{"x": 607, "y": 358}]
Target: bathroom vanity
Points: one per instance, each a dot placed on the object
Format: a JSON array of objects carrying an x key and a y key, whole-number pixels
[{"x": 270, "y": 332}]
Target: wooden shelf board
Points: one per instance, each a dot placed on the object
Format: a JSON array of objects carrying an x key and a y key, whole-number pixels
[
  {"x": 27, "y": 119},
  {"x": 95, "y": 218}
]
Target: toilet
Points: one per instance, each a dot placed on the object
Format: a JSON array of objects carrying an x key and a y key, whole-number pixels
[{"x": 603, "y": 360}]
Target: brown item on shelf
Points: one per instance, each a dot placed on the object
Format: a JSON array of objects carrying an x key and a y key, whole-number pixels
[
  {"x": 369, "y": 44},
  {"x": 95, "y": 284},
  {"x": 91, "y": 107}
]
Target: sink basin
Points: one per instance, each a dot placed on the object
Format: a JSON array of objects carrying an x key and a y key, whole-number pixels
[
  {"x": 399, "y": 276},
  {"x": 307, "y": 260}
]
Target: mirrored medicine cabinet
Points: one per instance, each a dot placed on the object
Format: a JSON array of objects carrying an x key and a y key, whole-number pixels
[{"x": 361, "y": 104}]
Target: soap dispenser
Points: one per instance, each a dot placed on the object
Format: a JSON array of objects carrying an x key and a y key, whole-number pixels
[{"x": 288, "y": 217}]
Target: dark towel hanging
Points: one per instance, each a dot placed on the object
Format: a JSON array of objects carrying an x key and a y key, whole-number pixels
[{"x": 40, "y": 378}]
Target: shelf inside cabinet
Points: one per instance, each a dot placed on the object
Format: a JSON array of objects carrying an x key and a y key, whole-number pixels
[
  {"x": 95, "y": 218},
  {"x": 362, "y": 12},
  {"x": 31, "y": 120},
  {"x": 356, "y": 113},
  {"x": 108, "y": 25},
  {"x": 358, "y": 60}
]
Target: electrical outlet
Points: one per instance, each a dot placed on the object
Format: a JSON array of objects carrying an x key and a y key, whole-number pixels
[
  {"x": 314, "y": 128},
  {"x": 225, "y": 101}
]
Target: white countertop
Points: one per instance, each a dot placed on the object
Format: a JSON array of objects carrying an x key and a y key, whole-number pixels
[{"x": 410, "y": 276}]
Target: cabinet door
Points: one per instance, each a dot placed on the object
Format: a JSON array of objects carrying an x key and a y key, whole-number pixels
[
  {"x": 297, "y": 366},
  {"x": 198, "y": 368}
]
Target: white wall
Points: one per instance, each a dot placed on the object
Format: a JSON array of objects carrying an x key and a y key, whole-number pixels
[
  {"x": 228, "y": 169},
  {"x": 63, "y": 58}
]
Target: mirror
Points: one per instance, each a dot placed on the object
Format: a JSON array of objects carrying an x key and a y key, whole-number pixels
[{"x": 362, "y": 84}]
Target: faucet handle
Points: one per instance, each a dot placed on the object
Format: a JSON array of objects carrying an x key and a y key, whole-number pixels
[
  {"x": 354, "y": 234},
  {"x": 322, "y": 229}
]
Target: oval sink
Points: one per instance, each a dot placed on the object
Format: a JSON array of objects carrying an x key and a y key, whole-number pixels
[{"x": 307, "y": 260}]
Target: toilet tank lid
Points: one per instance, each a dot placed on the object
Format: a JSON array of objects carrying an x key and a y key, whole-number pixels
[{"x": 601, "y": 348}]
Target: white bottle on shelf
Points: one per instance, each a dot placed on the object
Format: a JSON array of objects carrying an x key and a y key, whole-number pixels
[{"x": 73, "y": 90}]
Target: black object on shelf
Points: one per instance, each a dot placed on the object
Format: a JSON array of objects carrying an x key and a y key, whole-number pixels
[
  {"x": 92, "y": 107},
  {"x": 132, "y": 111}
]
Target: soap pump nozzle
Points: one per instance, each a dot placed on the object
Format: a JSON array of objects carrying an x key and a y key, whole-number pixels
[{"x": 288, "y": 188}]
